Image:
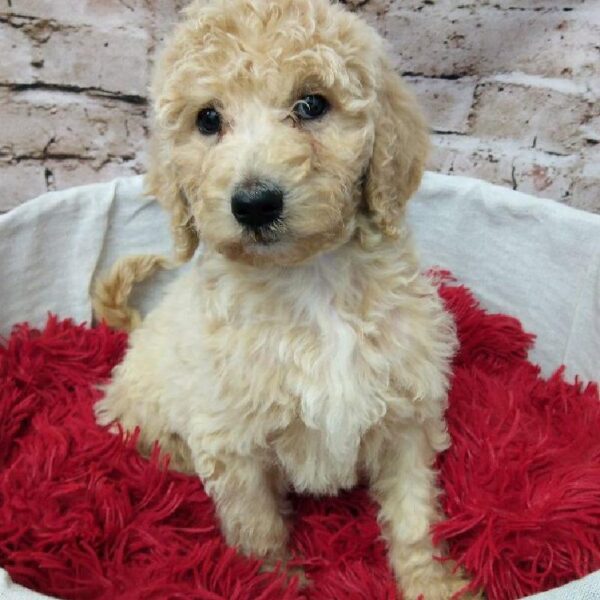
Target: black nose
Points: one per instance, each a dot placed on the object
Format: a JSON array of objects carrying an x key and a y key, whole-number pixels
[{"x": 257, "y": 204}]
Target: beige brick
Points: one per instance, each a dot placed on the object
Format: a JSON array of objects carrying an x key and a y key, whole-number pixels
[
  {"x": 535, "y": 117},
  {"x": 82, "y": 12},
  {"x": 429, "y": 7},
  {"x": 164, "y": 15},
  {"x": 524, "y": 5},
  {"x": 487, "y": 40},
  {"x": 457, "y": 155},
  {"x": 484, "y": 163},
  {"x": 20, "y": 182},
  {"x": 70, "y": 173},
  {"x": 15, "y": 44},
  {"x": 441, "y": 158},
  {"x": 527, "y": 170},
  {"x": 591, "y": 130},
  {"x": 23, "y": 180},
  {"x": 546, "y": 176},
  {"x": 585, "y": 194},
  {"x": 69, "y": 124},
  {"x": 114, "y": 60},
  {"x": 446, "y": 103}
]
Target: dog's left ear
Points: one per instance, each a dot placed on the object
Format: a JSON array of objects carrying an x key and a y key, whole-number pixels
[{"x": 399, "y": 152}]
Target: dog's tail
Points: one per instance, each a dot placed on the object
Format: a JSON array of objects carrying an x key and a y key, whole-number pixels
[{"x": 111, "y": 292}]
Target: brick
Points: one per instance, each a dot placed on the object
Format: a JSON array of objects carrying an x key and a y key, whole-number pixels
[
  {"x": 522, "y": 5},
  {"x": 486, "y": 41},
  {"x": 15, "y": 43},
  {"x": 114, "y": 60},
  {"x": 457, "y": 155},
  {"x": 163, "y": 16},
  {"x": 70, "y": 173},
  {"x": 82, "y": 12},
  {"x": 19, "y": 182},
  {"x": 23, "y": 180},
  {"x": 111, "y": 60},
  {"x": 546, "y": 176},
  {"x": 535, "y": 117},
  {"x": 528, "y": 170},
  {"x": 69, "y": 124},
  {"x": 591, "y": 130},
  {"x": 585, "y": 194},
  {"x": 441, "y": 158},
  {"x": 447, "y": 104}
]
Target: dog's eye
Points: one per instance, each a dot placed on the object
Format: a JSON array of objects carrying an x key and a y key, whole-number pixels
[
  {"x": 208, "y": 121},
  {"x": 311, "y": 107}
]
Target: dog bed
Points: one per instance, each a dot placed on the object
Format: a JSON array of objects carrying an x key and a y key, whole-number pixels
[{"x": 522, "y": 482}]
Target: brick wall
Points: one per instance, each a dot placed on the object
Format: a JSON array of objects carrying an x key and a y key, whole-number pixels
[{"x": 511, "y": 89}]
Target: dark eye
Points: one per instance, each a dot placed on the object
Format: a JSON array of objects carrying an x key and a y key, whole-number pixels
[
  {"x": 311, "y": 107},
  {"x": 208, "y": 121}
]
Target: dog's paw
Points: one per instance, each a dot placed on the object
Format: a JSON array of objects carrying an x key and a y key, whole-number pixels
[
  {"x": 106, "y": 416},
  {"x": 444, "y": 587},
  {"x": 299, "y": 574},
  {"x": 291, "y": 572}
]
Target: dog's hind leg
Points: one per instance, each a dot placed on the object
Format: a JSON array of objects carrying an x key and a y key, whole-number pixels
[{"x": 132, "y": 405}]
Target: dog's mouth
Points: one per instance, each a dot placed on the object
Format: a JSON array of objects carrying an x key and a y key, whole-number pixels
[
  {"x": 277, "y": 244},
  {"x": 264, "y": 236}
]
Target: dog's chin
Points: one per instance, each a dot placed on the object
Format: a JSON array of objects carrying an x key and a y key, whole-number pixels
[{"x": 268, "y": 249}]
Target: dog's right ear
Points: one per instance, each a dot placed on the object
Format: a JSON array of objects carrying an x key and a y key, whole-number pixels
[{"x": 161, "y": 183}]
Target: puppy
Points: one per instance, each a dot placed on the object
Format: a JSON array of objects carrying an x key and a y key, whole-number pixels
[{"x": 303, "y": 351}]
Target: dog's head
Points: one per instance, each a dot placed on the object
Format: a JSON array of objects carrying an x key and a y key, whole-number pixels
[{"x": 279, "y": 125}]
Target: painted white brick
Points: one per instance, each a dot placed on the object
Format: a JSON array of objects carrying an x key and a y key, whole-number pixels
[
  {"x": 19, "y": 182},
  {"x": 459, "y": 155},
  {"x": 114, "y": 60},
  {"x": 546, "y": 176},
  {"x": 585, "y": 192},
  {"x": 27, "y": 179},
  {"x": 114, "y": 13},
  {"x": 504, "y": 163},
  {"x": 15, "y": 43},
  {"x": 447, "y": 104},
  {"x": 486, "y": 40},
  {"x": 535, "y": 117},
  {"x": 428, "y": 6},
  {"x": 69, "y": 124},
  {"x": 163, "y": 16},
  {"x": 522, "y": 5},
  {"x": 70, "y": 173}
]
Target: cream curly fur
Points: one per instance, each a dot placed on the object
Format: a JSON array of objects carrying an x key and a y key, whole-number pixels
[{"x": 321, "y": 358}]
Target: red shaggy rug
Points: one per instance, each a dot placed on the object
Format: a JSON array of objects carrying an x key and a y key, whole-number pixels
[{"x": 83, "y": 516}]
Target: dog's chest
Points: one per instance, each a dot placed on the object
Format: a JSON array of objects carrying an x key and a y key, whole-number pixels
[
  {"x": 333, "y": 384},
  {"x": 307, "y": 357}
]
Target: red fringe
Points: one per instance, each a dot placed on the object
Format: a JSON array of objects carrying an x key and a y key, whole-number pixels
[{"x": 82, "y": 515}]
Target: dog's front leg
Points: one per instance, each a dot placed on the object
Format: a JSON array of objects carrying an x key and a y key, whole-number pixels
[
  {"x": 404, "y": 486},
  {"x": 249, "y": 500}
]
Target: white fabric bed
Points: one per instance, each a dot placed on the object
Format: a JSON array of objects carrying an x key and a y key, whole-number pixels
[{"x": 535, "y": 259}]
